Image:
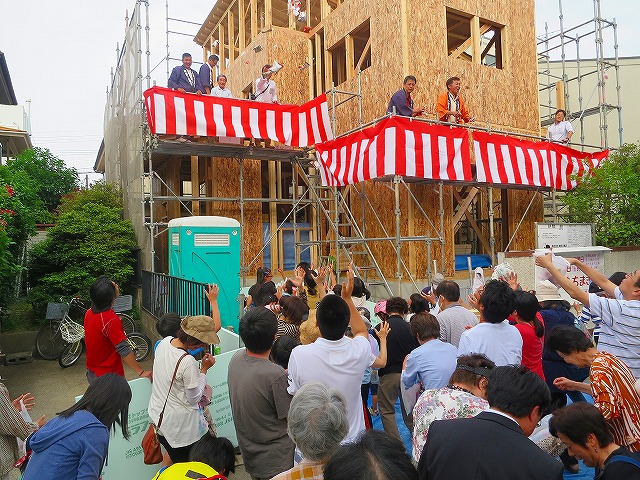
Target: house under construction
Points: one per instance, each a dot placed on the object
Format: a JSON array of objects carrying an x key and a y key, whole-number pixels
[{"x": 393, "y": 229}]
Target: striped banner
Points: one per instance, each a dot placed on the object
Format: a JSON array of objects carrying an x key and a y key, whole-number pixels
[
  {"x": 173, "y": 113},
  {"x": 512, "y": 161},
  {"x": 396, "y": 146}
]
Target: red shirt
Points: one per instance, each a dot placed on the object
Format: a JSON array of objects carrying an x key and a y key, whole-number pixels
[
  {"x": 102, "y": 332},
  {"x": 531, "y": 347}
]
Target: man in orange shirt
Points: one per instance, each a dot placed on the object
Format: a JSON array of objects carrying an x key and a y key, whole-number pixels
[{"x": 451, "y": 107}]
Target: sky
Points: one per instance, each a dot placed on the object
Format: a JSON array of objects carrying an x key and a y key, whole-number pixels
[{"x": 60, "y": 55}]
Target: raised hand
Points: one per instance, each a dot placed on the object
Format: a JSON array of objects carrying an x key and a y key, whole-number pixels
[{"x": 211, "y": 291}]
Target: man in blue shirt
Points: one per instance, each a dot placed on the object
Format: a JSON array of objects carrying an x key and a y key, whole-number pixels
[
  {"x": 434, "y": 361},
  {"x": 402, "y": 100}
]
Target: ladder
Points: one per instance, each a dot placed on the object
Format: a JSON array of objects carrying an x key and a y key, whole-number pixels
[{"x": 344, "y": 233}]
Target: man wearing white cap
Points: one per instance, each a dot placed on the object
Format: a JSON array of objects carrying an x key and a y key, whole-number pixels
[{"x": 620, "y": 314}]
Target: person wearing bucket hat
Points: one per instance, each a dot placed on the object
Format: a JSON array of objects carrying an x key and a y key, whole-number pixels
[
  {"x": 620, "y": 313},
  {"x": 183, "y": 422}
]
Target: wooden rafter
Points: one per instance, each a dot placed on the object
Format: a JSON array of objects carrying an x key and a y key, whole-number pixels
[
  {"x": 367, "y": 48},
  {"x": 469, "y": 41}
]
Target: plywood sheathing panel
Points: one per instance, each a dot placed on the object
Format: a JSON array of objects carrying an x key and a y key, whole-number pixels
[
  {"x": 289, "y": 48},
  {"x": 227, "y": 185}
]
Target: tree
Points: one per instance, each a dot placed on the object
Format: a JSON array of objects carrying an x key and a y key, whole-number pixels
[
  {"x": 52, "y": 179},
  {"x": 610, "y": 198},
  {"x": 90, "y": 238}
]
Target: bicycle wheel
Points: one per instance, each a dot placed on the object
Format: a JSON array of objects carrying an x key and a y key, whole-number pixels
[
  {"x": 128, "y": 324},
  {"x": 70, "y": 354},
  {"x": 140, "y": 344},
  {"x": 49, "y": 342}
]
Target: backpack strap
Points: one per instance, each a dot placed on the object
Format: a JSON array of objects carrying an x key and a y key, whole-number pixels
[{"x": 625, "y": 459}]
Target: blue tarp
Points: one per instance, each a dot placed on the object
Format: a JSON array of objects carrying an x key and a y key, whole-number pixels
[{"x": 483, "y": 261}]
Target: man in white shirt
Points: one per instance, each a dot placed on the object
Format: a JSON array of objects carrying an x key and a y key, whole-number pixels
[
  {"x": 454, "y": 319},
  {"x": 493, "y": 336},
  {"x": 336, "y": 360},
  {"x": 562, "y": 130},
  {"x": 221, "y": 89},
  {"x": 620, "y": 314}
]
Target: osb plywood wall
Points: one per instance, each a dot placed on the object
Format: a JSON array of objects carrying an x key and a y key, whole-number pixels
[
  {"x": 289, "y": 48},
  {"x": 506, "y": 98}
]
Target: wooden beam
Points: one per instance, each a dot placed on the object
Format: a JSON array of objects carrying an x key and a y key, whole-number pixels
[
  {"x": 311, "y": 49},
  {"x": 367, "y": 47},
  {"x": 349, "y": 54},
  {"x": 195, "y": 185},
  {"x": 489, "y": 45},
  {"x": 467, "y": 43},
  {"x": 222, "y": 63},
  {"x": 231, "y": 33},
  {"x": 241, "y": 24},
  {"x": 474, "y": 224},
  {"x": 463, "y": 204},
  {"x": 475, "y": 40},
  {"x": 268, "y": 12},
  {"x": 254, "y": 19}
]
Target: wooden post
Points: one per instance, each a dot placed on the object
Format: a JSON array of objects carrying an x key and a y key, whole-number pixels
[
  {"x": 232, "y": 36},
  {"x": 254, "y": 18},
  {"x": 241, "y": 24},
  {"x": 348, "y": 47},
  {"x": 267, "y": 15},
  {"x": 560, "y": 95},
  {"x": 404, "y": 35},
  {"x": 475, "y": 40},
  {"x": 221, "y": 63},
  {"x": 195, "y": 185}
]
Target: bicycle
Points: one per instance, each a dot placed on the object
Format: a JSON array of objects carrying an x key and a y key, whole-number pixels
[
  {"x": 73, "y": 334},
  {"x": 49, "y": 341}
]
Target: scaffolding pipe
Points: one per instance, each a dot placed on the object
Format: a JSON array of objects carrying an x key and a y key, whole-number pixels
[
  {"x": 492, "y": 239},
  {"x": 617, "y": 70},
  {"x": 167, "y": 33},
  {"x": 441, "y": 205},
  {"x": 147, "y": 43},
  {"x": 562, "y": 58},
  {"x": 241, "y": 201},
  {"x": 604, "y": 141},
  {"x": 396, "y": 191}
]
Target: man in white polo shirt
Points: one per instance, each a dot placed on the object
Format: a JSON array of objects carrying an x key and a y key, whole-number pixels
[
  {"x": 336, "y": 360},
  {"x": 620, "y": 314},
  {"x": 493, "y": 336},
  {"x": 561, "y": 131}
]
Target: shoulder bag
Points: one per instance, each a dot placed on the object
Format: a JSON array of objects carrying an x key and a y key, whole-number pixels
[{"x": 150, "y": 441}]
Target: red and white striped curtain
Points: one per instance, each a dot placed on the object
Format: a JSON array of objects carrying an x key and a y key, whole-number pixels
[
  {"x": 173, "y": 113},
  {"x": 511, "y": 161},
  {"x": 396, "y": 146}
]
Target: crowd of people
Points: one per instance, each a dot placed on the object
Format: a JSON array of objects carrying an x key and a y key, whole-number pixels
[{"x": 474, "y": 377}]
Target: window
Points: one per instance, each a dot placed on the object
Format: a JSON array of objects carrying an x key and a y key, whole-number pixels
[
  {"x": 338, "y": 63},
  {"x": 474, "y": 39},
  {"x": 362, "y": 46}
]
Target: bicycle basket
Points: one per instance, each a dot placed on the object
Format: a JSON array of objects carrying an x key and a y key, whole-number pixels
[
  {"x": 71, "y": 331},
  {"x": 56, "y": 311}
]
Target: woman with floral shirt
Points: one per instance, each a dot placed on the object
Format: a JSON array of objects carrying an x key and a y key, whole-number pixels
[{"x": 465, "y": 396}]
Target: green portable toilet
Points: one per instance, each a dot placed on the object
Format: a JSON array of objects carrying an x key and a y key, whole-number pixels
[{"x": 207, "y": 249}]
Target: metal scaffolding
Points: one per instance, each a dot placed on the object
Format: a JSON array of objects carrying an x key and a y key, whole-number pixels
[{"x": 576, "y": 71}]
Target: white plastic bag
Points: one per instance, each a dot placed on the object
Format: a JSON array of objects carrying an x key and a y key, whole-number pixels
[{"x": 24, "y": 413}]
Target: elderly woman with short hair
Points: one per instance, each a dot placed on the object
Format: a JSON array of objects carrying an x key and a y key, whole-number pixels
[{"x": 317, "y": 423}]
